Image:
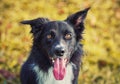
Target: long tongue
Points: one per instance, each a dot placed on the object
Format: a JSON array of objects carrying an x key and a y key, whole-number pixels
[{"x": 59, "y": 69}]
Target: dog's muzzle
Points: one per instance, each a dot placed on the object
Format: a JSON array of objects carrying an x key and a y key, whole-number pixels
[{"x": 59, "y": 61}]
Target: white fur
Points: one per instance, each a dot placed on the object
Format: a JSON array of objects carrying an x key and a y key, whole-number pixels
[{"x": 48, "y": 78}]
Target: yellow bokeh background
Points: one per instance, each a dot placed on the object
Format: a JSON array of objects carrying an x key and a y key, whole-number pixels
[{"x": 101, "y": 60}]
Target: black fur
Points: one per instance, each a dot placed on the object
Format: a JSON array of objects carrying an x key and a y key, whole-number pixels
[{"x": 43, "y": 48}]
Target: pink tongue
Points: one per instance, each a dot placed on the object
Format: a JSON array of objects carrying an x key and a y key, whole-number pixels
[{"x": 59, "y": 69}]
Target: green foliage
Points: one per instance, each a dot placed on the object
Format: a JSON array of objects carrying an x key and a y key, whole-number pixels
[{"x": 101, "y": 63}]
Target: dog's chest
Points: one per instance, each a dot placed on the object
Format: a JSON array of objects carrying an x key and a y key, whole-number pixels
[{"x": 48, "y": 78}]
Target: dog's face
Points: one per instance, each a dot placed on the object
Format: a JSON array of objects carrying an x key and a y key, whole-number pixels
[{"x": 58, "y": 39}]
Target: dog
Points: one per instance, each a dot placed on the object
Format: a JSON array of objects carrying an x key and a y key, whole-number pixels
[{"x": 56, "y": 53}]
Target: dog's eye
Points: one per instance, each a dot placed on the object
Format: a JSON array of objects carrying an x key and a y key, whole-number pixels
[
  {"x": 68, "y": 36},
  {"x": 49, "y": 36}
]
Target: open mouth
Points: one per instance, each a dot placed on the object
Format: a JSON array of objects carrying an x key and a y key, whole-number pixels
[{"x": 59, "y": 67}]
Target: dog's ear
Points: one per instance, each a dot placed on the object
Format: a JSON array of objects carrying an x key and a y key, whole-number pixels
[
  {"x": 36, "y": 24},
  {"x": 78, "y": 17},
  {"x": 77, "y": 21}
]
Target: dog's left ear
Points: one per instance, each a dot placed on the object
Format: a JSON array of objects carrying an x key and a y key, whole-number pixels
[
  {"x": 77, "y": 21},
  {"x": 77, "y": 18}
]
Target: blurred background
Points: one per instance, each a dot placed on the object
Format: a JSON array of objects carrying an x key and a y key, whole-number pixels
[{"x": 101, "y": 62}]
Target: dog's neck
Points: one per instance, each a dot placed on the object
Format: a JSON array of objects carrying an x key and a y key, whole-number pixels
[{"x": 48, "y": 78}]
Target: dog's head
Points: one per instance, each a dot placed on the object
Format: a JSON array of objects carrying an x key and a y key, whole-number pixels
[{"x": 58, "y": 39}]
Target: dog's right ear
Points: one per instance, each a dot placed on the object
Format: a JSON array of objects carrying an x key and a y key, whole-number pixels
[{"x": 36, "y": 24}]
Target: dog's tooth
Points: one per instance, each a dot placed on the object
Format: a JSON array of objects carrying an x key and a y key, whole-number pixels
[
  {"x": 65, "y": 59},
  {"x": 53, "y": 60}
]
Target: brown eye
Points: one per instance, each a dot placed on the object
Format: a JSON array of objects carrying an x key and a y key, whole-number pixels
[
  {"x": 49, "y": 36},
  {"x": 68, "y": 36}
]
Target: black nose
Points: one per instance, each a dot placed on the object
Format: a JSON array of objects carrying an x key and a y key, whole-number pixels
[{"x": 59, "y": 51}]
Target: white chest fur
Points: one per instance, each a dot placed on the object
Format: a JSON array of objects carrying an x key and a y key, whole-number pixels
[{"x": 48, "y": 78}]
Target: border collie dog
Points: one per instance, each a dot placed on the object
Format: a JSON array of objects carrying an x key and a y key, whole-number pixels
[{"x": 56, "y": 53}]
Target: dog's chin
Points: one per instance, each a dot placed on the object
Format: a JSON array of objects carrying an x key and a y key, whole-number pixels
[{"x": 59, "y": 66}]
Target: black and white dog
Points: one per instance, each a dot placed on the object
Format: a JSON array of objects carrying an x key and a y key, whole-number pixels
[{"x": 56, "y": 52}]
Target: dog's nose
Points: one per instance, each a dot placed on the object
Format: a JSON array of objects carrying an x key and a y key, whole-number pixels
[{"x": 59, "y": 51}]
